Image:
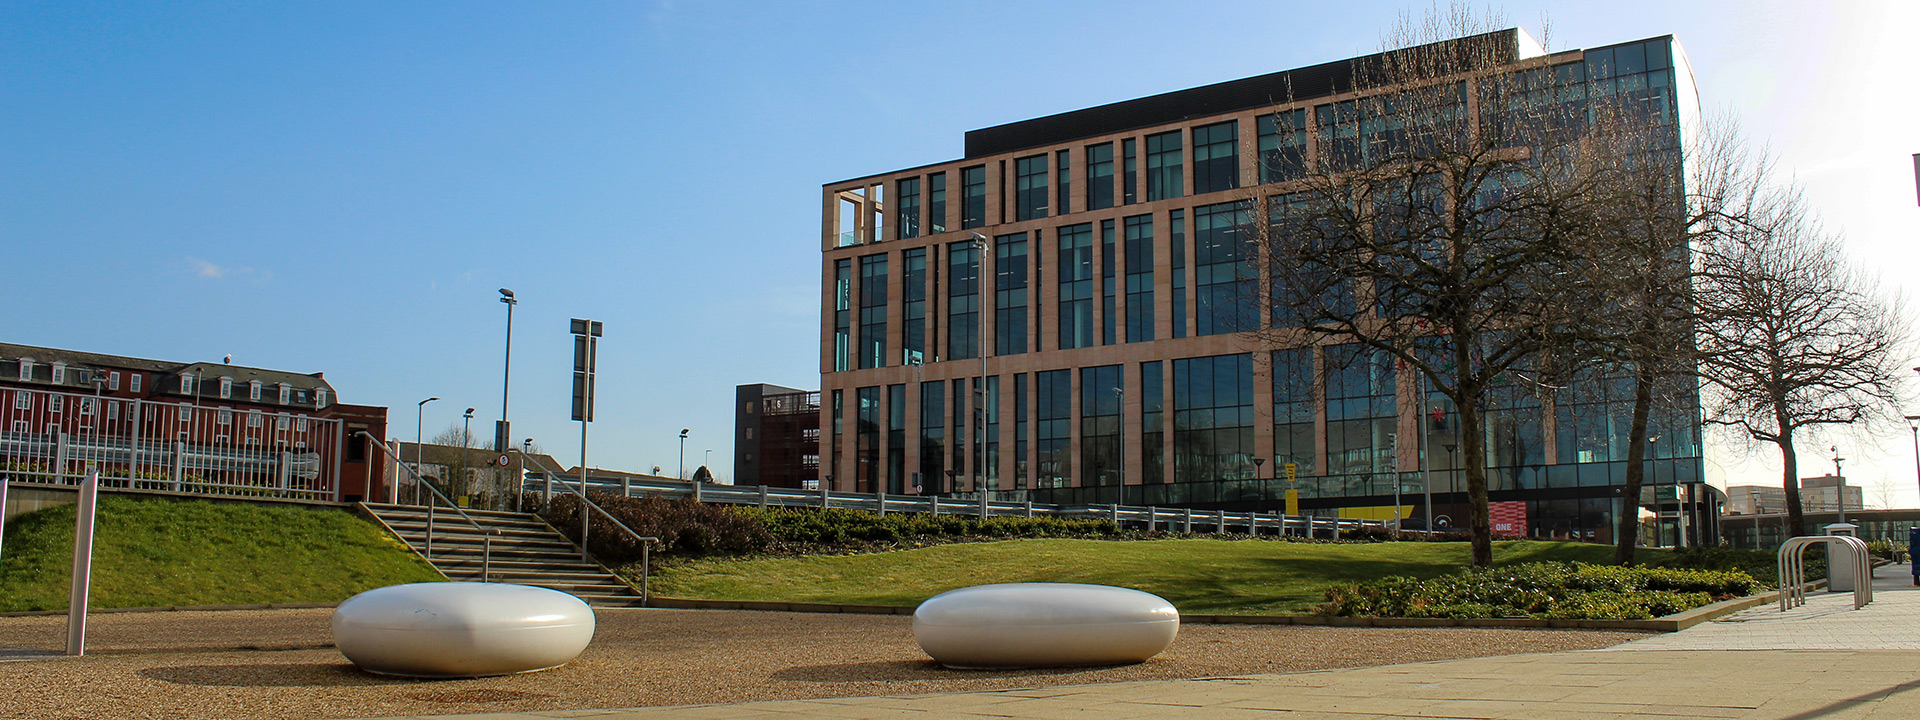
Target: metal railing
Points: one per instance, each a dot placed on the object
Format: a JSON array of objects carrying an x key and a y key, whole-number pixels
[
  {"x": 981, "y": 505},
  {"x": 486, "y": 534},
  {"x": 1793, "y": 569},
  {"x": 646, "y": 541}
]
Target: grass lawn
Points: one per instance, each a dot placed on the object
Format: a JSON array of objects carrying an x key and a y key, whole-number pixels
[
  {"x": 1199, "y": 576},
  {"x": 154, "y": 552}
]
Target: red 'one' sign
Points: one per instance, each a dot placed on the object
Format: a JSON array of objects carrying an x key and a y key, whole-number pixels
[{"x": 1509, "y": 518}]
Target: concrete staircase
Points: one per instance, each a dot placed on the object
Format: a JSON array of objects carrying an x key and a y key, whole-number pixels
[{"x": 526, "y": 551}]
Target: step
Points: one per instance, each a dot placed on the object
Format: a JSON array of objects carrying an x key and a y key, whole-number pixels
[{"x": 499, "y": 545}]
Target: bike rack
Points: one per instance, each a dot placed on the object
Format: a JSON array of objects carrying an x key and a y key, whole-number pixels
[{"x": 1793, "y": 569}]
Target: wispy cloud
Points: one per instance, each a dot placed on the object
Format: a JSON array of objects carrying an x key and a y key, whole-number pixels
[
  {"x": 206, "y": 269},
  {"x": 211, "y": 271}
]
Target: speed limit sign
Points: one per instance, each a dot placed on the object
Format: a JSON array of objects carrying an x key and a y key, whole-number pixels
[{"x": 502, "y": 460}]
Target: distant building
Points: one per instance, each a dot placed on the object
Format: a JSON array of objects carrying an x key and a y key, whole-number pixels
[
  {"x": 189, "y": 427},
  {"x": 1817, "y": 494},
  {"x": 776, "y": 436}
]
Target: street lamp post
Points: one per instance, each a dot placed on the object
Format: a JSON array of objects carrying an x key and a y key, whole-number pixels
[
  {"x": 419, "y": 451},
  {"x": 1840, "y": 484},
  {"x": 1260, "y": 504},
  {"x": 980, "y": 248},
  {"x": 1913, "y": 423},
  {"x": 1653, "y": 478},
  {"x": 683, "y": 453},
  {"x": 466, "y": 448},
  {"x": 706, "y": 461},
  {"x": 502, "y": 434}
]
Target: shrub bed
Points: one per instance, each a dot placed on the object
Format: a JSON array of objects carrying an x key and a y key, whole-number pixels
[{"x": 1541, "y": 590}]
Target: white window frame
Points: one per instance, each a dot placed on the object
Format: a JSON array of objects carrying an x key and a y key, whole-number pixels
[
  {"x": 133, "y": 383},
  {"x": 280, "y": 422},
  {"x": 21, "y": 426},
  {"x": 186, "y": 383},
  {"x": 59, "y": 373},
  {"x": 113, "y": 411},
  {"x": 86, "y": 407},
  {"x": 186, "y": 414},
  {"x": 253, "y": 390},
  {"x": 320, "y": 398},
  {"x": 56, "y": 403},
  {"x": 253, "y": 419},
  {"x": 26, "y": 368},
  {"x": 286, "y": 393},
  {"x": 224, "y": 418},
  {"x": 300, "y": 425},
  {"x": 226, "y": 388},
  {"x": 113, "y": 381},
  {"x": 22, "y": 400}
]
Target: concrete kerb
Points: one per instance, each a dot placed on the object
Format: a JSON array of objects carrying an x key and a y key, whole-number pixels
[{"x": 177, "y": 608}]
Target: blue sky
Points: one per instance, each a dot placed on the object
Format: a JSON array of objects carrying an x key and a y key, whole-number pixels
[{"x": 340, "y": 187}]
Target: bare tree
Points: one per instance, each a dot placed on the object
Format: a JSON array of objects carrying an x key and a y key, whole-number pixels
[
  {"x": 1441, "y": 239},
  {"x": 1792, "y": 337},
  {"x": 461, "y": 454}
]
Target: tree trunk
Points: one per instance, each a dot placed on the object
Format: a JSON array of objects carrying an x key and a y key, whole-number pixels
[
  {"x": 1473, "y": 444},
  {"x": 1628, "y": 527},
  {"x": 1790, "y": 481}
]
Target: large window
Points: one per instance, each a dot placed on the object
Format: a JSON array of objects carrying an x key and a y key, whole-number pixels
[
  {"x": 1076, "y": 285},
  {"x": 1100, "y": 395},
  {"x": 973, "y": 197},
  {"x": 896, "y": 438},
  {"x": 1020, "y": 432},
  {"x": 1360, "y": 415},
  {"x": 1129, "y": 174},
  {"x": 842, "y": 316},
  {"x": 1165, "y": 179},
  {"x": 1153, "y": 453},
  {"x": 873, "y": 311},
  {"x": 1293, "y": 409},
  {"x": 933, "y": 437},
  {"x": 1010, "y": 294},
  {"x": 1109, "y": 313},
  {"x": 906, "y": 217},
  {"x": 1099, "y": 176},
  {"x": 937, "y": 203},
  {"x": 913, "y": 292},
  {"x": 1283, "y": 145},
  {"x": 1177, "y": 246},
  {"x": 1216, "y": 158},
  {"x": 1213, "y": 418},
  {"x": 1339, "y": 129},
  {"x": 1224, "y": 274},
  {"x": 963, "y": 301},
  {"x": 1030, "y": 187},
  {"x": 1139, "y": 252},
  {"x": 1063, "y": 179},
  {"x": 1054, "y": 398},
  {"x": 992, "y": 438},
  {"x": 866, "y": 437}
]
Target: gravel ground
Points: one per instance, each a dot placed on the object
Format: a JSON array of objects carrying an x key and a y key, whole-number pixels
[{"x": 280, "y": 664}]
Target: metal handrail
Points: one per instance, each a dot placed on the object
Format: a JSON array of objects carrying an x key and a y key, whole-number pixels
[
  {"x": 486, "y": 534},
  {"x": 646, "y": 541}
]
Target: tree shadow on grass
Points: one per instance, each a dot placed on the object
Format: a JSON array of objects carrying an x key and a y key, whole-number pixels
[
  {"x": 270, "y": 675},
  {"x": 898, "y": 670}
]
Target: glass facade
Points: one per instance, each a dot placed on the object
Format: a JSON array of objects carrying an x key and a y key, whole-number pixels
[
  {"x": 1213, "y": 418},
  {"x": 937, "y": 202},
  {"x": 1283, "y": 145},
  {"x": 1030, "y": 187},
  {"x": 1216, "y": 157},
  {"x": 973, "y": 197},
  {"x": 1010, "y": 294},
  {"x": 873, "y": 311},
  {"x": 1099, "y": 176},
  {"x": 1129, "y": 175},
  {"x": 1224, "y": 274},
  {"x": 1293, "y": 410},
  {"x": 842, "y": 315},
  {"x": 963, "y": 301},
  {"x": 931, "y": 479},
  {"x": 1360, "y": 415},
  {"x": 907, "y": 215},
  {"x": 1021, "y": 432},
  {"x": 1109, "y": 314},
  {"x": 1153, "y": 451},
  {"x": 913, "y": 305},
  {"x": 1100, "y": 395},
  {"x": 866, "y": 439},
  {"x": 1063, "y": 181},
  {"x": 1076, "y": 285},
  {"x": 1177, "y": 247},
  {"x": 1139, "y": 255},
  {"x": 896, "y": 438},
  {"x": 1053, "y": 400},
  {"x": 1165, "y": 164},
  {"x": 992, "y": 399}
]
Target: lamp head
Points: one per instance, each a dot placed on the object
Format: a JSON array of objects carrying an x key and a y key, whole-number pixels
[
  {"x": 683, "y": 433},
  {"x": 505, "y": 293},
  {"x": 469, "y": 412},
  {"x": 428, "y": 400}
]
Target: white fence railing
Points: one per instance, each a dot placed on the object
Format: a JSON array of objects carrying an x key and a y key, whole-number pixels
[
  {"x": 1143, "y": 517},
  {"x": 56, "y": 438}
]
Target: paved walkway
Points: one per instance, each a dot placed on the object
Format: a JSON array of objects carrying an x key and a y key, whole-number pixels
[{"x": 1822, "y": 660}]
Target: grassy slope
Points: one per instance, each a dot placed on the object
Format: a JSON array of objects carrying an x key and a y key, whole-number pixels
[
  {"x": 152, "y": 552},
  {"x": 1197, "y": 575}
]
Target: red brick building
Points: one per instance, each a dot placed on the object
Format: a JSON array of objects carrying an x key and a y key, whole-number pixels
[{"x": 189, "y": 427}]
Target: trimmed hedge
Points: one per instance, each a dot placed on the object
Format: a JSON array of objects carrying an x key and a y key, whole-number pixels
[
  {"x": 836, "y": 526},
  {"x": 1541, "y": 590}
]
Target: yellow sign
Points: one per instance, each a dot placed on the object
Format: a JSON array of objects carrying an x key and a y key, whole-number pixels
[
  {"x": 1291, "y": 470},
  {"x": 1293, "y": 502}
]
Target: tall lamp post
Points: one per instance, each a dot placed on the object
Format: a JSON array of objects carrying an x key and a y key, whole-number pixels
[
  {"x": 466, "y": 447},
  {"x": 1913, "y": 423},
  {"x": 1653, "y": 478},
  {"x": 981, "y": 248},
  {"x": 683, "y": 453},
  {"x": 501, "y": 434},
  {"x": 419, "y": 451},
  {"x": 1840, "y": 484}
]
